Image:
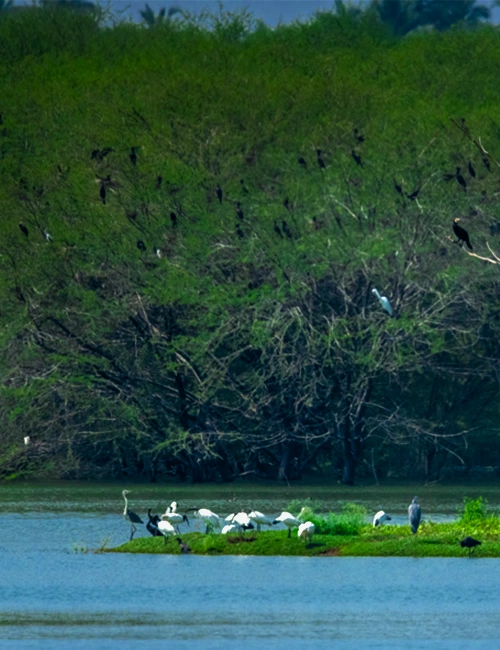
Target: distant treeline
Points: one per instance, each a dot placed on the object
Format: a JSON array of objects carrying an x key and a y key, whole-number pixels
[{"x": 229, "y": 251}]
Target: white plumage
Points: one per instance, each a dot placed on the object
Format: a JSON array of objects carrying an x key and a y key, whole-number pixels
[
  {"x": 260, "y": 519},
  {"x": 242, "y": 520},
  {"x": 26, "y": 440},
  {"x": 306, "y": 531},
  {"x": 166, "y": 529},
  {"x": 288, "y": 520},
  {"x": 384, "y": 301},
  {"x": 209, "y": 517},
  {"x": 379, "y": 518},
  {"x": 175, "y": 518},
  {"x": 230, "y": 528}
]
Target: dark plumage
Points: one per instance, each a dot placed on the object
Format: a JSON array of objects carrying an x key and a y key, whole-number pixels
[
  {"x": 100, "y": 154},
  {"x": 461, "y": 179},
  {"x": 461, "y": 233},
  {"x": 319, "y": 158},
  {"x": 159, "y": 181},
  {"x": 239, "y": 231},
  {"x": 243, "y": 188},
  {"x": 102, "y": 194},
  {"x": 173, "y": 219},
  {"x": 398, "y": 187},
  {"x": 302, "y": 162},
  {"x": 133, "y": 156},
  {"x": 152, "y": 525},
  {"x": 286, "y": 229},
  {"x": 218, "y": 191},
  {"x": 141, "y": 245},
  {"x": 24, "y": 229},
  {"x": 277, "y": 230},
  {"x": 184, "y": 548},
  {"x": 414, "y": 194},
  {"x": 359, "y": 137},
  {"x": 239, "y": 211},
  {"x": 356, "y": 158},
  {"x": 471, "y": 544},
  {"x": 471, "y": 169},
  {"x": 486, "y": 163},
  {"x": 495, "y": 228}
]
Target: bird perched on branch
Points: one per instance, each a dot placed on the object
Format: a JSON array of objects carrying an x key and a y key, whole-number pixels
[
  {"x": 461, "y": 233},
  {"x": 384, "y": 301}
]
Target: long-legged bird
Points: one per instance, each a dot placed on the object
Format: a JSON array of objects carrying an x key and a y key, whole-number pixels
[{"x": 130, "y": 516}]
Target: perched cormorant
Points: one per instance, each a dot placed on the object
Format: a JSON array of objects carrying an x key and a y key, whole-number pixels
[
  {"x": 100, "y": 154},
  {"x": 23, "y": 228},
  {"x": 239, "y": 231},
  {"x": 159, "y": 181},
  {"x": 357, "y": 159},
  {"x": 471, "y": 169},
  {"x": 141, "y": 245},
  {"x": 239, "y": 211},
  {"x": 302, "y": 162},
  {"x": 102, "y": 194},
  {"x": 133, "y": 155},
  {"x": 486, "y": 163},
  {"x": 398, "y": 187},
  {"x": 173, "y": 219},
  {"x": 461, "y": 179},
  {"x": 461, "y": 233},
  {"x": 218, "y": 191}
]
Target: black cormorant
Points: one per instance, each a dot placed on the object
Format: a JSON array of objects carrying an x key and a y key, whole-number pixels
[
  {"x": 357, "y": 159},
  {"x": 133, "y": 155},
  {"x": 277, "y": 230},
  {"x": 141, "y": 245},
  {"x": 218, "y": 191},
  {"x": 461, "y": 179},
  {"x": 471, "y": 544},
  {"x": 461, "y": 233},
  {"x": 102, "y": 194},
  {"x": 23, "y": 228},
  {"x": 302, "y": 162},
  {"x": 173, "y": 218},
  {"x": 471, "y": 169},
  {"x": 286, "y": 229}
]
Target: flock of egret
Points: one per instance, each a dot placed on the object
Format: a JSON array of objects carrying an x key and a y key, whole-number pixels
[{"x": 168, "y": 523}]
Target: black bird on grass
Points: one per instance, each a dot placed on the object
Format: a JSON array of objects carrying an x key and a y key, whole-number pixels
[
  {"x": 173, "y": 219},
  {"x": 495, "y": 228},
  {"x": 133, "y": 156},
  {"x": 398, "y": 187},
  {"x": 100, "y": 154},
  {"x": 414, "y": 194},
  {"x": 471, "y": 544},
  {"x": 461, "y": 233},
  {"x": 461, "y": 179},
  {"x": 239, "y": 231},
  {"x": 152, "y": 525},
  {"x": 471, "y": 169},
  {"x": 184, "y": 548},
  {"x": 218, "y": 191},
  {"x": 141, "y": 245},
  {"x": 102, "y": 194},
  {"x": 24, "y": 229},
  {"x": 302, "y": 162},
  {"x": 286, "y": 229},
  {"x": 357, "y": 158},
  {"x": 243, "y": 188},
  {"x": 319, "y": 158}
]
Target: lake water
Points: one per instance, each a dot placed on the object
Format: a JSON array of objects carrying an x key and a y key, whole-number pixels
[{"x": 53, "y": 595}]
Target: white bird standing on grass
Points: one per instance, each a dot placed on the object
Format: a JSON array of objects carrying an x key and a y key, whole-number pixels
[
  {"x": 242, "y": 520},
  {"x": 175, "y": 518},
  {"x": 260, "y": 519},
  {"x": 209, "y": 517},
  {"x": 379, "y": 518},
  {"x": 384, "y": 301},
  {"x": 166, "y": 529},
  {"x": 288, "y": 520},
  {"x": 306, "y": 531}
]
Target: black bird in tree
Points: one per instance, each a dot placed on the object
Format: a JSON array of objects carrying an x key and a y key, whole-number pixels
[
  {"x": 286, "y": 229},
  {"x": 102, "y": 194},
  {"x": 302, "y": 162},
  {"x": 471, "y": 544},
  {"x": 398, "y": 187},
  {"x": 357, "y": 158},
  {"x": 319, "y": 157},
  {"x": 277, "y": 230},
  {"x": 239, "y": 211},
  {"x": 243, "y": 188},
  {"x": 184, "y": 548},
  {"x": 461, "y": 179},
  {"x": 461, "y": 233},
  {"x": 24, "y": 229},
  {"x": 159, "y": 181},
  {"x": 359, "y": 137},
  {"x": 471, "y": 169},
  {"x": 218, "y": 191},
  {"x": 414, "y": 194},
  {"x": 133, "y": 156},
  {"x": 486, "y": 163},
  {"x": 173, "y": 219},
  {"x": 239, "y": 231},
  {"x": 141, "y": 245}
]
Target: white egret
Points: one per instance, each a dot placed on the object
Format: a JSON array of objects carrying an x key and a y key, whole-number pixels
[
  {"x": 414, "y": 515},
  {"x": 288, "y": 520},
  {"x": 166, "y": 529},
  {"x": 27, "y": 440},
  {"x": 260, "y": 519},
  {"x": 384, "y": 301},
  {"x": 306, "y": 531},
  {"x": 379, "y": 518},
  {"x": 130, "y": 516}
]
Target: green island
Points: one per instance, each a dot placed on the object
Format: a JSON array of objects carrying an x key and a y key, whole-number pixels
[{"x": 344, "y": 534}]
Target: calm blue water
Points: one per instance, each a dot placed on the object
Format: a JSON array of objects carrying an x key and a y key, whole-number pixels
[{"x": 53, "y": 596}]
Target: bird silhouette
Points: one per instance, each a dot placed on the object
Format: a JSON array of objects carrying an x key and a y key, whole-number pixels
[
  {"x": 159, "y": 181},
  {"x": 48, "y": 236},
  {"x": 461, "y": 233},
  {"x": 286, "y": 229},
  {"x": 184, "y": 548},
  {"x": 243, "y": 188},
  {"x": 100, "y": 154},
  {"x": 141, "y": 245},
  {"x": 302, "y": 162},
  {"x": 102, "y": 194},
  {"x": 173, "y": 219},
  {"x": 471, "y": 544},
  {"x": 398, "y": 187},
  {"x": 239, "y": 211},
  {"x": 319, "y": 158},
  {"x": 24, "y": 229},
  {"x": 218, "y": 191},
  {"x": 239, "y": 231},
  {"x": 414, "y": 194},
  {"x": 359, "y": 137},
  {"x": 486, "y": 162},
  {"x": 461, "y": 179},
  {"x": 471, "y": 169},
  {"x": 133, "y": 156}
]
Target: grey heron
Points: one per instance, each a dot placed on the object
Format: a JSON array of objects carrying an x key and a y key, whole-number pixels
[
  {"x": 414, "y": 515},
  {"x": 129, "y": 515}
]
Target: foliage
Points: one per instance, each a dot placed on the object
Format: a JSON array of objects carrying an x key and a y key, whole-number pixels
[{"x": 474, "y": 511}]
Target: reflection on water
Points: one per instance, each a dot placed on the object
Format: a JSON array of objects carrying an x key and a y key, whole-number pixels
[{"x": 53, "y": 597}]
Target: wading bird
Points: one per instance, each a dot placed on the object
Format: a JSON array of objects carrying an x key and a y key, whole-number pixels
[
  {"x": 260, "y": 519},
  {"x": 48, "y": 236},
  {"x": 27, "y": 440},
  {"x": 210, "y": 519},
  {"x": 471, "y": 544},
  {"x": 288, "y": 520},
  {"x": 129, "y": 515},
  {"x": 461, "y": 233},
  {"x": 414, "y": 515},
  {"x": 384, "y": 301},
  {"x": 152, "y": 525},
  {"x": 166, "y": 529},
  {"x": 184, "y": 548},
  {"x": 379, "y": 518},
  {"x": 230, "y": 528},
  {"x": 243, "y": 521},
  {"x": 306, "y": 531},
  {"x": 175, "y": 518}
]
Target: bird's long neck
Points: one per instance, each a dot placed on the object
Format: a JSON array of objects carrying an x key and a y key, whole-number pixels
[
  {"x": 126, "y": 505},
  {"x": 377, "y": 294}
]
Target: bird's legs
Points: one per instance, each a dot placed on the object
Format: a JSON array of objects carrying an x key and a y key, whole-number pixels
[
  {"x": 132, "y": 531},
  {"x": 289, "y": 532},
  {"x": 258, "y": 528}
]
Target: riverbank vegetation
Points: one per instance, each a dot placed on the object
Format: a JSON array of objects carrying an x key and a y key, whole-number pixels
[
  {"x": 195, "y": 216},
  {"x": 351, "y": 538}
]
